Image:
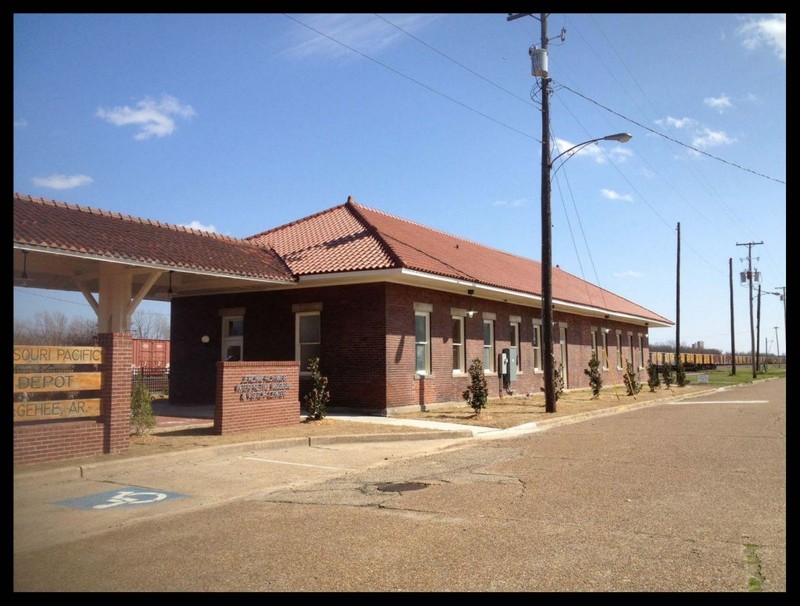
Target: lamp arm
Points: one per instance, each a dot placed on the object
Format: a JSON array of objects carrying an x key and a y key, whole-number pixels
[{"x": 573, "y": 148}]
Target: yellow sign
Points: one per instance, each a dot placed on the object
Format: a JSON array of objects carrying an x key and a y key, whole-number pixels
[
  {"x": 56, "y": 409},
  {"x": 53, "y": 381},
  {"x": 33, "y": 354}
]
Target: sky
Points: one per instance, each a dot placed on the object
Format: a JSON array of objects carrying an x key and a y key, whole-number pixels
[{"x": 238, "y": 123}]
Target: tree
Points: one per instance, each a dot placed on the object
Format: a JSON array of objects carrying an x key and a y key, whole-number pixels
[
  {"x": 148, "y": 325},
  {"x": 142, "y": 418},
  {"x": 317, "y": 399},
  {"x": 54, "y": 328},
  {"x": 680, "y": 374},
  {"x": 653, "y": 381},
  {"x": 631, "y": 379},
  {"x": 669, "y": 376},
  {"x": 477, "y": 393},
  {"x": 595, "y": 378}
]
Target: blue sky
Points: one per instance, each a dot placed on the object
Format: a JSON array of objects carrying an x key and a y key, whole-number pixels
[{"x": 237, "y": 123}]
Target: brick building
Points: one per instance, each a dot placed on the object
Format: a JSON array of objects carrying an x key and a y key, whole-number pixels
[{"x": 396, "y": 311}]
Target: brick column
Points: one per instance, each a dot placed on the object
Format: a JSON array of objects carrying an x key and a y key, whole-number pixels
[{"x": 116, "y": 390}]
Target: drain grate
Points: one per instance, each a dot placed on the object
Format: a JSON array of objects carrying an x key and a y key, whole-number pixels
[{"x": 401, "y": 486}]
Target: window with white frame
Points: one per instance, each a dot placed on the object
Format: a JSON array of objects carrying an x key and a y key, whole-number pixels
[
  {"x": 232, "y": 338},
  {"x": 619, "y": 350},
  {"x": 422, "y": 338},
  {"x": 595, "y": 353},
  {"x": 604, "y": 361},
  {"x": 514, "y": 342},
  {"x": 536, "y": 341},
  {"x": 459, "y": 350},
  {"x": 488, "y": 345},
  {"x": 308, "y": 338}
]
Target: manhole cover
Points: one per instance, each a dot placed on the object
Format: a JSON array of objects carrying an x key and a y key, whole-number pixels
[{"x": 401, "y": 486}]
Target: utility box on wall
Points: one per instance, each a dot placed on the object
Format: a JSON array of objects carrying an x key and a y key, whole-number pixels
[{"x": 508, "y": 366}]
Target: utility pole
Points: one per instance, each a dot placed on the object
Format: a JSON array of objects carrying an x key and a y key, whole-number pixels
[
  {"x": 733, "y": 338},
  {"x": 777, "y": 343},
  {"x": 547, "y": 253},
  {"x": 678, "y": 302},
  {"x": 758, "y": 329},
  {"x": 750, "y": 246}
]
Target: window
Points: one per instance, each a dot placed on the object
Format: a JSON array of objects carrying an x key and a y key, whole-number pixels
[
  {"x": 537, "y": 348},
  {"x": 619, "y": 350},
  {"x": 630, "y": 347},
  {"x": 459, "y": 351},
  {"x": 604, "y": 361},
  {"x": 515, "y": 343},
  {"x": 422, "y": 332},
  {"x": 595, "y": 354},
  {"x": 488, "y": 345},
  {"x": 307, "y": 338},
  {"x": 232, "y": 338},
  {"x": 641, "y": 351}
]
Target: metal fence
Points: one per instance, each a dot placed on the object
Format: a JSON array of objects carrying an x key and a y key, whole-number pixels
[{"x": 154, "y": 378}]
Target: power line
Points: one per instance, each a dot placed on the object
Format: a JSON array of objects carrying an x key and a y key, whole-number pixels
[
  {"x": 415, "y": 81},
  {"x": 461, "y": 65},
  {"x": 668, "y": 138}
]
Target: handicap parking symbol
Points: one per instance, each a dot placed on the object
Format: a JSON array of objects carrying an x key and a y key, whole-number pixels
[{"x": 130, "y": 496}]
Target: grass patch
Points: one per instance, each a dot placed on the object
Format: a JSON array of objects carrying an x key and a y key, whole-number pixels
[
  {"x": 744, "y": 374},
  {"x": 756, "y": 581}
]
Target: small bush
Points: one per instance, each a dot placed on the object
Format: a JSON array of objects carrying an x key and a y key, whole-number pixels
[
  {"x": 680, "y": 375},
  {"x": 669, "y": 376},
  {"x": 595, "y": 378},
  {"x": 631, "y": 379},
  {"x": 317, "y": 399},
  {"x": 477, "y": 393},
  {"x": 142, "y": 417},
  {"x": 653, "y": 380}
]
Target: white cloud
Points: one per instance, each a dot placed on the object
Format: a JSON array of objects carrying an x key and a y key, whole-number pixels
[
  {"x": 628, "y": 273},
  {"x": 62, "y": 181},
  {"x": 20, "y": 123},
  {"x": 708, "y": 138},
  {"x": 722, "y": 102},
  {"x": 610, "y": 194},
  {"x": 601, "y": 152},
  {"x": 676, "y": 122},
  {"x": 365, "y": 33},
  {"x": 508, "y": 203},
  {"x": 154, "y": 118},
  {"x": 200, "y": 227},
  {"x": 769, "y": 31}
]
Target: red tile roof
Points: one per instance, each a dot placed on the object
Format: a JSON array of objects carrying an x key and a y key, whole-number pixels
[
  {"x": 353, "y": 237},
  {"x": 98, "y": 233},
  {"x": 346, "y": 238}
]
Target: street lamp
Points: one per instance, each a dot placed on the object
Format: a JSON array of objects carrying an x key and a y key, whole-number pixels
[{"x": 547, "y": 252}]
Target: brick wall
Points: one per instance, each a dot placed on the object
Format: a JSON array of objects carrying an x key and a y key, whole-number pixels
[
  {"x": 256, "y": 395},
  {"x": 39, "y": 441},
  {"x": 368, "y": 344}
]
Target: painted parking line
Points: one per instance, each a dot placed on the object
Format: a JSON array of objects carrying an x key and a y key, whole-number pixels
[
  {"x": 296, "y": 464},
  {"x": 123, "y": 497},
  {"x": 723, "y": 402}
]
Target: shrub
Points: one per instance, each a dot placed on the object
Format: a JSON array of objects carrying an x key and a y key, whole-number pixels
[
  {"x": 680, "y": 375},
  {"x": 317, "y": 399},
  {"x": 653, "y": 381},
  {"x": 631, "y": 380},
  {"x": 142, "y": 417},
  {"x": 669, "y": 377},
  {"x": 595, "y": 378},
  {"x": 477, "y": 393}
]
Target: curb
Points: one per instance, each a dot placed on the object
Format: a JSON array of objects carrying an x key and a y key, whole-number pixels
[{"x": 71, "y": 472}]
